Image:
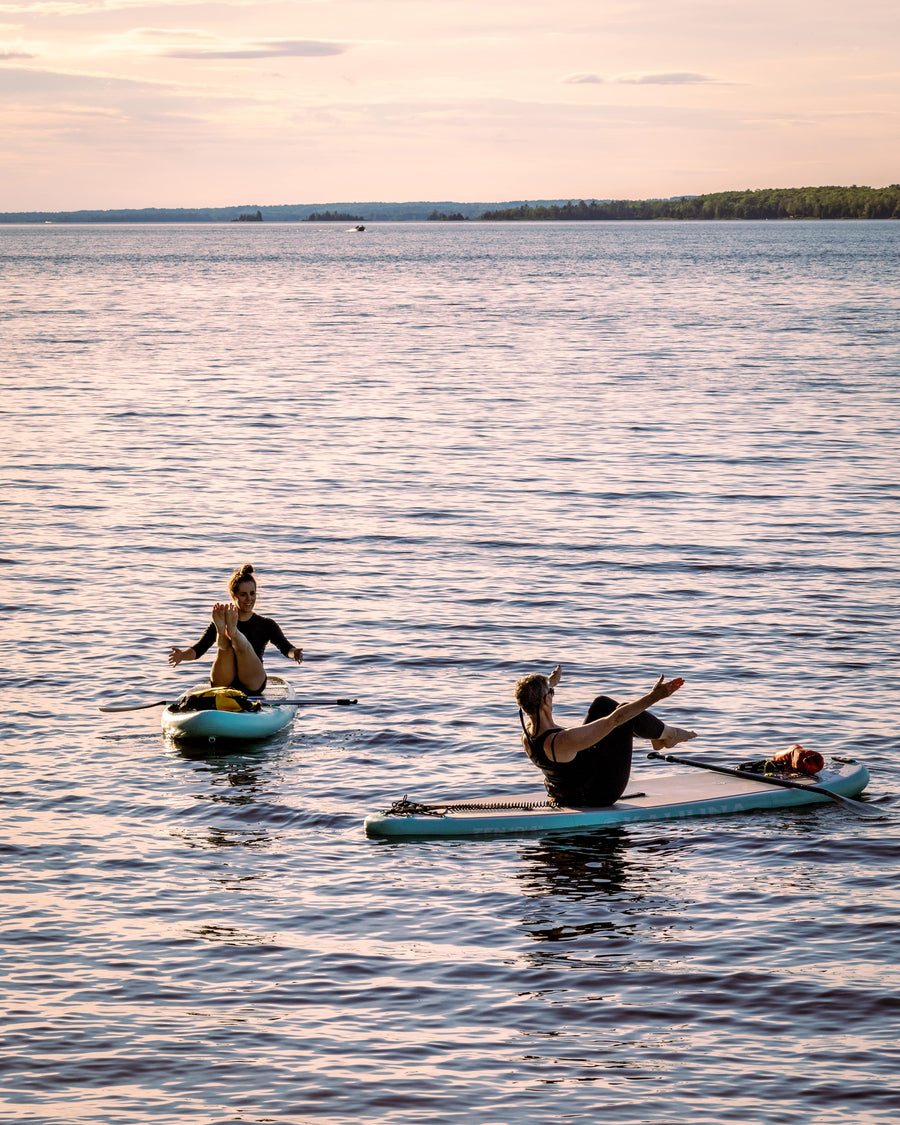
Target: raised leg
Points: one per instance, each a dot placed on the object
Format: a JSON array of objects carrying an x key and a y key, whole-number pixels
[
  {"x": 250, "y": 670},
  {"x": 224, "y": 667},
  {"x": 607, "y": 764}
]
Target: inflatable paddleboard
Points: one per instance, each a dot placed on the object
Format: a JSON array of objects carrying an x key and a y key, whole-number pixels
[
  {"x": 649, "y": 797},
  {"x": 241, "y": 726}
]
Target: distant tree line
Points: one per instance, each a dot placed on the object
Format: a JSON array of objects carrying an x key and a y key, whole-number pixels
[
  {"x": 443, "y": 217},
  {"x": 334, "y": 217},
  {"x": 775, "y": 203},
  {"x": 768, "y": 203}
]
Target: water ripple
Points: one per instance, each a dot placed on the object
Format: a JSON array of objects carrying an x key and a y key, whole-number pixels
[{"x": 455, "y": 456}]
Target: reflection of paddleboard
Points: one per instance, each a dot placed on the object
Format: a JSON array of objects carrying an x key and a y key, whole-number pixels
[
  {"x": 242, "y": 726},
  {"x": 651, "y": 796}
]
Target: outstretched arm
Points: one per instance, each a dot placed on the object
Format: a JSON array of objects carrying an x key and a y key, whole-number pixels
[
  {"x": 196, "y": 650},
  {"x": 571, "y": 741},
  {"x": 280, "y": 641}
]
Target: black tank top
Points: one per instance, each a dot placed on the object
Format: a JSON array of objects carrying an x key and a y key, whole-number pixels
[
  {"x": 556, "y": 774},
  {"x": 593, "y": 779}
]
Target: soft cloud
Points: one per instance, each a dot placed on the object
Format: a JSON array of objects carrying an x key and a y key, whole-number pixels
[
  {"x": 52, "y": 90},
  {"x": 24, "y": 8},
  {"x": 12, "y": 53},
  {"x": 38, "y": 84},
  {"x": 652, "y": 78},
  {"x": 664, "y": 78},
  {"x": 166, "y": 33},
  {"x": 258, "y": 49}
]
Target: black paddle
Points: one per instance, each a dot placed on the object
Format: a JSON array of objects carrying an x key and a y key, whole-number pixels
[
  {"x": 255, "y": 698},
  {"x": 766, "y": 779}
]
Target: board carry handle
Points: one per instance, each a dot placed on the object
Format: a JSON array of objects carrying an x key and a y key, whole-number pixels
[{"x": 765, "y": 779}]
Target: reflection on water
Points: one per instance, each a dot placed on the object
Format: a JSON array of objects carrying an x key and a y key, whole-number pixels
[
  {"x": 226, "y": 935},
  {"x": 240, "y": 782},
  {"x": 594, "y": 894},
  {"x": 224, "y": 838},
  {"x": 581, "y": 866}
]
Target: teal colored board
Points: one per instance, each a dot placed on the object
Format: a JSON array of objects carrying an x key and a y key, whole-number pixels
[
  {"x": 234, "y": 726},
  {"x": 649, "y": 797}
]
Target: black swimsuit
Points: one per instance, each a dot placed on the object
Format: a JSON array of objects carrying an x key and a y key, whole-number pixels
[{"x": 595, "y": 777}]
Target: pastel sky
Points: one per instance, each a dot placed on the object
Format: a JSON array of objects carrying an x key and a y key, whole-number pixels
[{"x": 135, "y": 103}]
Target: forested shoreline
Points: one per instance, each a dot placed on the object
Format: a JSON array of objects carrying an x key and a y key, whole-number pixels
[{"x": 768, "y": 203}]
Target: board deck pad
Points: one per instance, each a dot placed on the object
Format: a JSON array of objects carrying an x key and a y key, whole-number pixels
[{"x": 650, "y": 796}]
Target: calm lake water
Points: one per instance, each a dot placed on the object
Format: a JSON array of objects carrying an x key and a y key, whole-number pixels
[{"x": 455, "y": 454}]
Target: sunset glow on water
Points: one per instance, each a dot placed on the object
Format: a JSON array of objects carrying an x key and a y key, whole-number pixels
[{"x": 455, "y": 454}]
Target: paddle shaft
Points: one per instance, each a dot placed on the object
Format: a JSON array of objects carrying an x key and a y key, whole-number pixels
[
  {"x": 256, "y": 698},
  {"x": 765, "y": 779},
  {"x": 303, "y": 702}
]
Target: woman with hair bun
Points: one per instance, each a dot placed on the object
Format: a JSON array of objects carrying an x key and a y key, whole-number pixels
[
  {"x": 241, "y": 637},
  {"x": 588, "y": 766}
]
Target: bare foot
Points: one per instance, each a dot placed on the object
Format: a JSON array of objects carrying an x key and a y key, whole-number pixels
[
  {"x": 671, "y": 736},
  {"x": 218, "y": 619},
  {"x": 231, "y": 620}
]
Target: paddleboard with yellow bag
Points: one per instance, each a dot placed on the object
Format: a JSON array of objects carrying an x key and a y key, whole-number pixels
[{"x": 212, "y": 714}]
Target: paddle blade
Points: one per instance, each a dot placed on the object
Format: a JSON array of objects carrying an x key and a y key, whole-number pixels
[
  {"x": 858, "y": 807},
  {"x": 133, "y": 706}
]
